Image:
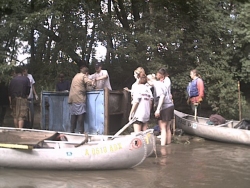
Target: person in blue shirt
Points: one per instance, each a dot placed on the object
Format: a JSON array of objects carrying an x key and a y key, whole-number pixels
[{"x": 62, "y": 85}]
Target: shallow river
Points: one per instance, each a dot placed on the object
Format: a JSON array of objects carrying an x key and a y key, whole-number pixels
[{"x": 198, "y": 164}]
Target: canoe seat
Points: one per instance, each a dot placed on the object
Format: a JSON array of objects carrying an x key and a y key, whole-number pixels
[
  {"x": 24, "y": 139},
  {"x": 222, "y": 125},
  {"x": 57, "y": 144},
  {"x": 228, "y": 124},
  {"x": 63, "y": 144}
]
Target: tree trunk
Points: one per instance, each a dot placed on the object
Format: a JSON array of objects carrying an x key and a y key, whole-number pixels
[{"x": 32, "y": 41}]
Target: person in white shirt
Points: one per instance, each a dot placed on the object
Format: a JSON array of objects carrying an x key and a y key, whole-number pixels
[
  {"x": 163, "y": 104},
  {"x": 31, "y": 96},
  {"x": 101, "y": 77},
  {"x": 141, "y": 105},
  {"x": 167, "y": 82},
  {"x": 137, "y": 73}
]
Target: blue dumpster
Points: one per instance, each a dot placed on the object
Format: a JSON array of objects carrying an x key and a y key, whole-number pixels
[
  {"x": 94, "y": 118},
  {"x": 55, "y": 111},
  {"x": 107, "y": 111}
]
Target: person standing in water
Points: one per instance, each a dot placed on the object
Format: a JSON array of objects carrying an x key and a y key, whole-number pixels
[
  {"x": 19, "y": 89},
  {"x": 141, "y": 105},
  {"x": 164, "y": 106},
  {"x": 195, "y": 90}
]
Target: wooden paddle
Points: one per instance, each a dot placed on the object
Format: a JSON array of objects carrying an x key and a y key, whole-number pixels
[
  {"x": 124, "y": 127},
  {"x": 16, "y": 146},
  {"x": 195, "y": 111}
]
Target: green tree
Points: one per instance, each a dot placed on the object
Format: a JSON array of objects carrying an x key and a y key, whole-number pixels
[{"x": 211, "y": 36}]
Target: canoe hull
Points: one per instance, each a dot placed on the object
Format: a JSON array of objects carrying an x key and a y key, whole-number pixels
[
  {"x": 222, "y": 133},
  {"x": 119, "y": 153}
]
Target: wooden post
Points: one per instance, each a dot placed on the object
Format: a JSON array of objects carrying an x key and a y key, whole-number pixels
[
  {"x": 106, "y": 111},
  {"x": 239, "y": 100}
]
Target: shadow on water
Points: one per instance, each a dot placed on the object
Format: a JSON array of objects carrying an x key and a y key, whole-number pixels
[{"x": 198, "y": 164}]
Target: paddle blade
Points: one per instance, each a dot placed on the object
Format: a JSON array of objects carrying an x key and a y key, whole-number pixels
[{"x": 16, "y": 146}]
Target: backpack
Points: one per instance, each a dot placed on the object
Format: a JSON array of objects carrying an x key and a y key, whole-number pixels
[{"x": 217, "y": 119}]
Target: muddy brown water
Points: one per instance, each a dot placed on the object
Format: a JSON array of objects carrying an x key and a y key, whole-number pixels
[{"x": 197, "y": 164}]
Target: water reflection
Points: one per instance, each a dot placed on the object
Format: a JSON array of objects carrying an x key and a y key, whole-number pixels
[{"x": 206, "y": 164}]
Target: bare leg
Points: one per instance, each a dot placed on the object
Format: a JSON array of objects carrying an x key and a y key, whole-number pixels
[
  {"x": 15, "y": 123},
  {"x": 163, "y": 126},
  {"x": 20, "y": 123},
  {"x": 168, "y": 125},
  {"x": 137, "y": 127},
  {"x": 145, "y": 126}
]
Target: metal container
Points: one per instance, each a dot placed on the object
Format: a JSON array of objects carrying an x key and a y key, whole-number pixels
[{"x": 107, "y": 111}]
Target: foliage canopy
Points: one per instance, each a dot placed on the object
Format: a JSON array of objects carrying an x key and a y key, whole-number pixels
[{"x": 60, "y": 35}]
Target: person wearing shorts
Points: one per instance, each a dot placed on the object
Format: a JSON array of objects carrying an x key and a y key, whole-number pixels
[
  {"x": 164, "y": 106},
  {"x": 141, "y": 105},
  {"x": 19, "y": 90}
]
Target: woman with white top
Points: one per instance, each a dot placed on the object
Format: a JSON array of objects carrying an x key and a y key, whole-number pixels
[
  {"x": 137, "y": 73},
  {"x": 141, "y": 105}
]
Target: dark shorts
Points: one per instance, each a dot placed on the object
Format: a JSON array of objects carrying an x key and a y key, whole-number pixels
[
  {"x": 138, "y": 122},
  {"x": 19, "y": 108},
  {"x": 167, "y": 114}
]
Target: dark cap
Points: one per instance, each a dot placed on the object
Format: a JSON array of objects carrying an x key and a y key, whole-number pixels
[{"x": 98, "y": 64}]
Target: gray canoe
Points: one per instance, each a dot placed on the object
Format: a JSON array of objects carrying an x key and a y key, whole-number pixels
[
  {"x": 39, "y": 149},
  {"x": 229, "y": 132}
]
